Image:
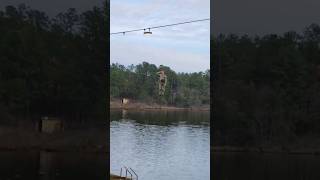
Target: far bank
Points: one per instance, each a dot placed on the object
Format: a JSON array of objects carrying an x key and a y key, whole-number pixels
[{"x": 138, "y": 105}]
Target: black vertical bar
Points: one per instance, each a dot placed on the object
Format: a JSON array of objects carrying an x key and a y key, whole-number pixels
[
  {"x": 108, "y": 87},
  {"x": 212, "y": 69}
]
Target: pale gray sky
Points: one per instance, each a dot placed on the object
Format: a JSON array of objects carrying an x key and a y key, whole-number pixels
[
  {"x": 53, "y": 7},
  {"x": 264, "y": 16},
  {"x": 184, "y": 48}
]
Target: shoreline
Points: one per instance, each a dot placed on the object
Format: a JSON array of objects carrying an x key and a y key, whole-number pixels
[
  {"x": 116, "y": 105},
  {"x": 53, "y": 150},
  {"x": 86, "y": 141}
]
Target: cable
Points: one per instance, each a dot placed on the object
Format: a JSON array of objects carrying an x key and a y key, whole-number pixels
[{"x": 155, "y": 27}]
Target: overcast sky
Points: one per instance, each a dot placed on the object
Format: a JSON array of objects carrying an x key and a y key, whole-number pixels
[
  {"x": 53, "y": 7},
  {"x": 184, "y": 48},
  {"x": 264, "y": 16}
]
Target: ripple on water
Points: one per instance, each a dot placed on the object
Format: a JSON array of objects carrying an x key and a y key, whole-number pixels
[{"x": 161, "y": 151}]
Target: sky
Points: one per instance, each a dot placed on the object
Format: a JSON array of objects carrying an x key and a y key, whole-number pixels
[
  {"x": 259, "y": 17},
  {"x": 53, "y": 7},
  {"x": 184, "y": 48}
]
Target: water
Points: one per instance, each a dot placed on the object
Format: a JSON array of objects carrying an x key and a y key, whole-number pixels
[
  {"x": 161, "y": 145},
  {"x": 52, "y": 165},
  {"x": 253, "y": 166},
  {"x": 42, "y": 165}
]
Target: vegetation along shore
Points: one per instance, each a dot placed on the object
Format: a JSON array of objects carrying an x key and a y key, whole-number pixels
[
  {"x": 266, "y": 91},
  {"x": 140, "y": 84}
]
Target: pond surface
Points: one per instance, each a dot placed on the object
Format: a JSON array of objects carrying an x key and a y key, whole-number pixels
[
  {"x": 42, "y": 165},
  {"x": 253, "y": 166},
  {"x": 161, "y": 145},
  {"x": 51, "y": 166}
]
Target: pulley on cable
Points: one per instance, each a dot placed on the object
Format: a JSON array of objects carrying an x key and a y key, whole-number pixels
[{"x": 147, "y": 32}]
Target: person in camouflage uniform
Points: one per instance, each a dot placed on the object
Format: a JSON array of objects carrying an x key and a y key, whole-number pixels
[{"x": 162, "y": 82}]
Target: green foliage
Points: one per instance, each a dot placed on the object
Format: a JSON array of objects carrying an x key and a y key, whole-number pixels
[
  {"x": 52, "y": 66},
  {"x": 140, "y": 82},
  {"x": 266, "y": 89}
]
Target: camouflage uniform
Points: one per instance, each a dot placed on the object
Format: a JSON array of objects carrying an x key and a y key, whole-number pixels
[{"x": 162, "y": 82}]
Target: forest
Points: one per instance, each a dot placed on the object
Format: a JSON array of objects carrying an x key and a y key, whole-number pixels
[
  {"x": 266, "y": 89},
  {"x": 140, "y": 82},
  {"x": 53, "y": 66}
]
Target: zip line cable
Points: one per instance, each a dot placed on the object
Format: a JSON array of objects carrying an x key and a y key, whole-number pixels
[{"x": 156, "y": 27}]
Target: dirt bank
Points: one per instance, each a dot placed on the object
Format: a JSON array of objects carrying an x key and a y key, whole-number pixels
[{"x": 116, "y": 104}]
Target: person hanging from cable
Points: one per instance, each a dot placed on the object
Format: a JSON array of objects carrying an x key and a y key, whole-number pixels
[{"x": 162, "y": 82}]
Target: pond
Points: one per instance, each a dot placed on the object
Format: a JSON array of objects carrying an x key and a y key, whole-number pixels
[
  {"x": 161, "y": 145},
  {"x": 52, "y": 165},
  {"x": 267, "y": 166},
  {"x": 69, "y": 162}
]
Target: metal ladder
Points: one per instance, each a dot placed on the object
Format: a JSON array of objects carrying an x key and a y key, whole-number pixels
[{"x": 127, "y": 172}]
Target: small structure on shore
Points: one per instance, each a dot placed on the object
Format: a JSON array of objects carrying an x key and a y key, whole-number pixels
[
  {"x": 50, "y": 125},
  {"x": 124, "y": 101}
]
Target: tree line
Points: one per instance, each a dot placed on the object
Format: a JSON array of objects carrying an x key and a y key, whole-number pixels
[
  {"x": 53, "y": 66},
  {"x": 140, "y": 82},
  {"x": 266, "y": 88}
]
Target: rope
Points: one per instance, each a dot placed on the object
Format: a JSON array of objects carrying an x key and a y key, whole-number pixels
[{"x": 156, "y": 27}]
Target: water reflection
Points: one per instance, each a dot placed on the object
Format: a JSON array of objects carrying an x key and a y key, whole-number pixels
[
  {"x": 76, "y": 136},
  {"x": 162, "y": 118},
  {"x": 161, "y": 145},
  {"x": 252, "y": 166},
  {"x": 52, "y": 165}
]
